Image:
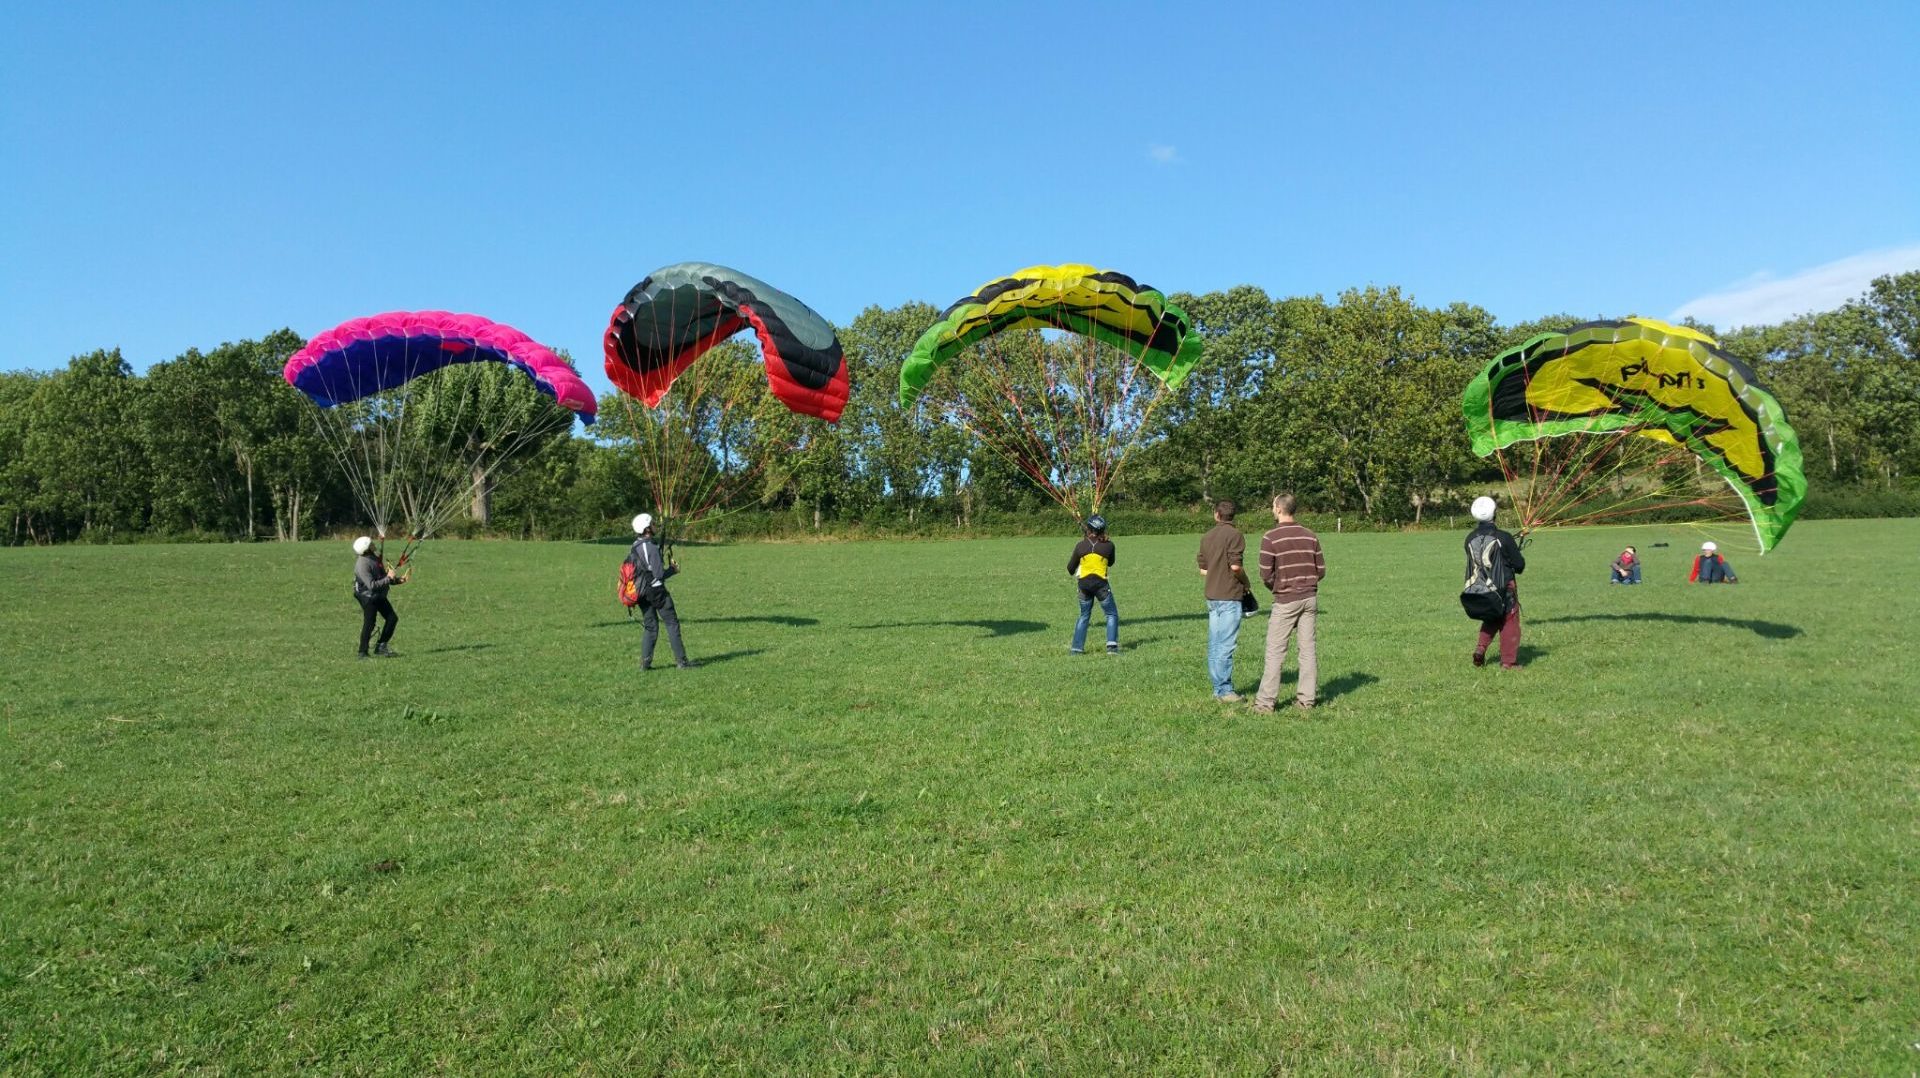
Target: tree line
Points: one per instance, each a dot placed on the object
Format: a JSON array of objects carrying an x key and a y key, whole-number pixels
[{"x": 1353, "y": 403}]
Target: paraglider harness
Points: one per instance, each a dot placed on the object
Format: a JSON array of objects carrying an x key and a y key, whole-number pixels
[
  {"x": 627, "y": 587},
  {"x": 1485, "y": 596},
  {"x": 631, "y": 585}
]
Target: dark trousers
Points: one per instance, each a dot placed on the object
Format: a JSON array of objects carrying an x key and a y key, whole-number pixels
[
  {"x": 652, "y": 613},
  {"x": 369, "y": 606},
  {"x": 1508, "y": 630}
]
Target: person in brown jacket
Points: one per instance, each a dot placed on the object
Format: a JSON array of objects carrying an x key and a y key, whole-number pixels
[
  {"x": 1222, "y": 551},
  {"x": 1291, "y": 566}
]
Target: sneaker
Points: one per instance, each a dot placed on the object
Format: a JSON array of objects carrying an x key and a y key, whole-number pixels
[
  {"x": 1229, "y": 698},
  {"x": 686, "y": 664},
  {"x": 364, "y": 656},
  {"x": 1075, "y": 651},
  {"x": 385, "y": 652},
  {"x": 1479, "y": 658},
  {"x": 1303, "y": 707},
  {"x": 1113, "y": 649},
  {"x": 646, "y": 666},
  {"x": 1262, "y": 709}
]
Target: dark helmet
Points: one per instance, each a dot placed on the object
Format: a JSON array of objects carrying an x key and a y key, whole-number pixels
[{"x": 1096, "y": 523}]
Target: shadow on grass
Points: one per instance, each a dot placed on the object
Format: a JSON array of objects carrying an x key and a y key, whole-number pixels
[
  {"x": 724, "y": 656},
  {"x": 993, "y": 628},
  {"x": 1351, "y": 681},
  {"x": 455, "y": 647},
  {"x": 1772, "y": 630},
  {"x": 1526, "y": 655},
  {"x": 1197, "y": 616},
  {"x": 770, "y": 619},
  {"x": 1328, "y": 691}
]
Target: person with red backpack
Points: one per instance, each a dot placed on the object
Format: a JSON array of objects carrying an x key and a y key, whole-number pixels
[
  {"x": 649, "y": 575},
  {"x": 1710, "y": 568},
  {"x": 1492, "y": 592}
]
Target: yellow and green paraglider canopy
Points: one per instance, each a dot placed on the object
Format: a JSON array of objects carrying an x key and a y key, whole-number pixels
[
  {"x": 1639, "y": 377},
  {"x": 1107, "y": 306}
]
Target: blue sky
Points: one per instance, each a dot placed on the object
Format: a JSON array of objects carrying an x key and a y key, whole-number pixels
[{"x": 179, "y": 175}]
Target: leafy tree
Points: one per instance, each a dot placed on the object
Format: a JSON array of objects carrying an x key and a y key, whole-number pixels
[
  {"x": 84, "y": 444},
  {"x": 1203, "y": 427},
  {"x": 19, "y": 483},
  {"x": 898, "y": 455},
  {"x": 217, "y": 428}
]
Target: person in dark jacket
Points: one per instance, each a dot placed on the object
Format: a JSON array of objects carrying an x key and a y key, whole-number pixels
[
  {"x": 370, "y": 583},
  {"x": 1090, "y": 565},
  {"x": 1508, "y": 549},
  {"x": 1223, "y": 550},
  {"x": 651, "y": 571},
  {"x": 1710, "y": 568}
]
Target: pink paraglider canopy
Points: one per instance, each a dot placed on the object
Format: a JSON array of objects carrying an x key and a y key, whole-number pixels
[{"x": 364, "y": 356}]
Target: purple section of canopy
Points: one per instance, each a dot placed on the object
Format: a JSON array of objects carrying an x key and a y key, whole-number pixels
[{"x": 366, "y": 355}]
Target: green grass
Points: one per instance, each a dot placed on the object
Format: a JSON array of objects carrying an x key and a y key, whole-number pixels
[{"x": 893, "y": 826}]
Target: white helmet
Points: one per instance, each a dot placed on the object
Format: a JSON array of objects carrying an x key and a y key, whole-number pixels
[
  {"x": 642, "y": 522},
  {"x": 362, "y": 544},
  {"x": 1709, "y": 546},
  {"x": 1483, "y": 508}
]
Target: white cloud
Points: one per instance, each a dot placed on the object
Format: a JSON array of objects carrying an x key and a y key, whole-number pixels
[
  {"x": 1763, "y": 300},
  {"x": 1165, "y": 155}
]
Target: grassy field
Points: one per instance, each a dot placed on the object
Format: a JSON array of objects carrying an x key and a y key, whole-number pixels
[{"x": 892, "y": 826}]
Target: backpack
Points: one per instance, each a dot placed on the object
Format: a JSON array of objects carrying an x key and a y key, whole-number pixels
[
  {"x": 627, "y": 588},
  {"x": 1485, "y": 597},
  {"x": 1092, "y": 574}
]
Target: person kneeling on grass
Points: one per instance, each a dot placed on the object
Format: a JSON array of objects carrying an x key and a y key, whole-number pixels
[
  {"x": 650, "y": 576},
  {"x": 1710, "y": 568},
  {"x": 370, "y": 583},
  {"x": 1626, "y": 568},
  {"x": 1092, "y": 560}
]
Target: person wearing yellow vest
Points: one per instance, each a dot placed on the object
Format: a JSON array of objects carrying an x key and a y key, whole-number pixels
[{"x": 1092, "y": 560}]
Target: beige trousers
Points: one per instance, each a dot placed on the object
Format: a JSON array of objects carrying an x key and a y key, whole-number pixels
[{"x": 1286, "y": 620}]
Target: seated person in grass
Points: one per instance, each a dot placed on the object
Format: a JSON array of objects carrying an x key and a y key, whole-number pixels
[
  {"x": 1626, "y": 568},
  {"x": 1092, "y": 560},
  {"x": 370, "y": 583},
  {"x": 1710, "y": 568}
]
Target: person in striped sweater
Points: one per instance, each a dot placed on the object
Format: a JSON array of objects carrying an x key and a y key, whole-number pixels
[{"x": 1291, "y": 566}]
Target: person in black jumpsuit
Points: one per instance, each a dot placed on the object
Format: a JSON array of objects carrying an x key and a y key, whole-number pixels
[
  {"x": 370, "y": 583},
  {"x": 650, "y": 573}
]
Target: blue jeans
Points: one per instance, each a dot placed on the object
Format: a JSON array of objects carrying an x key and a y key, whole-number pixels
[
  {"x": 1105, "y": 599},
  {"x": 1223, "y": 635}
]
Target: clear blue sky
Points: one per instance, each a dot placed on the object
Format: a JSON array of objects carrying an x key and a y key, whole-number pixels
[{"x": 179, "y": 175}]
